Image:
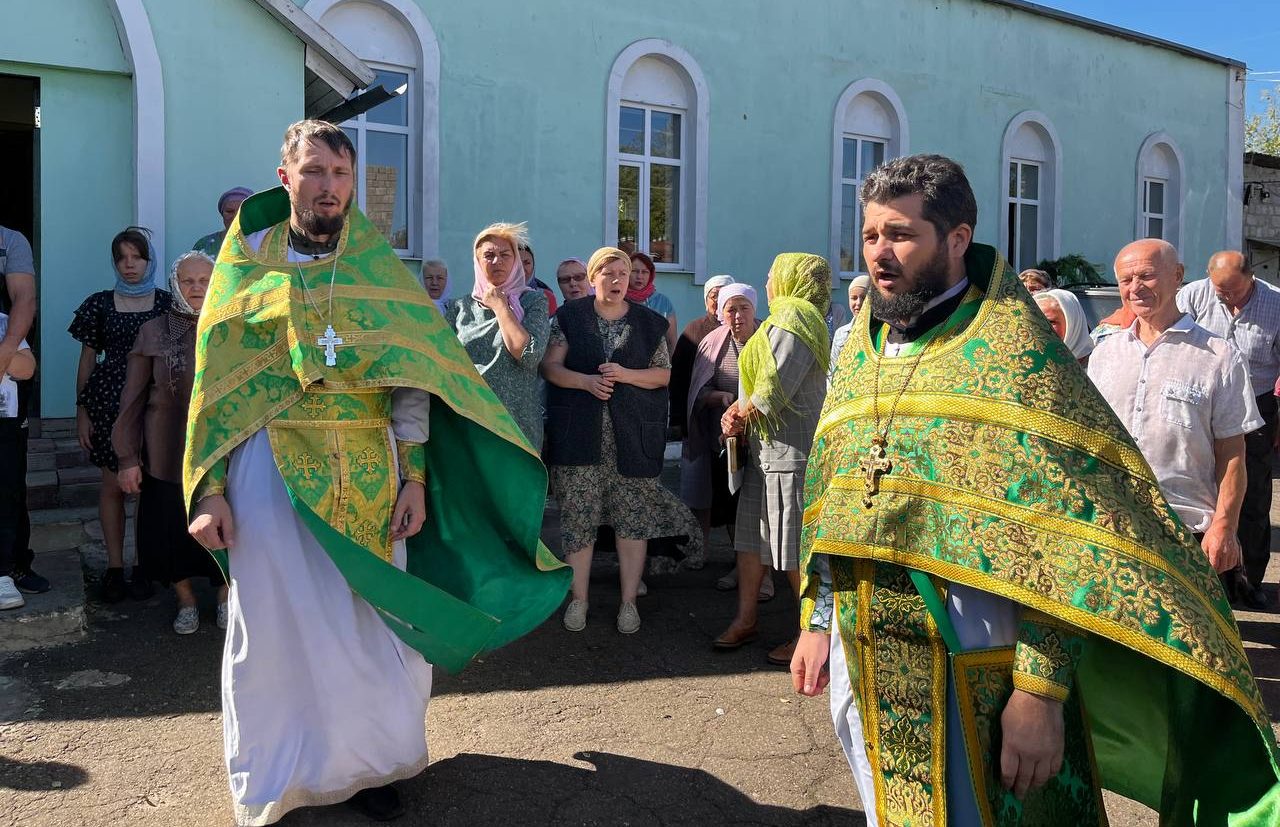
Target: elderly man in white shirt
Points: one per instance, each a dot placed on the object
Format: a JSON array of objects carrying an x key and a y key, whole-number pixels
[
  {"x": 1246, "y": 312},
  {"x": 1184, "y": 395}
]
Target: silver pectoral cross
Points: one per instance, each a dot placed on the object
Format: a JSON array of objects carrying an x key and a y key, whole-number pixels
[{"x": 329, "y": 341}]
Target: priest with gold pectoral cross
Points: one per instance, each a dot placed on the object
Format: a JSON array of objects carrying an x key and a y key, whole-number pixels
[
  {"x": 374, "y": 505},
  {"x": 987, "y": 556}
]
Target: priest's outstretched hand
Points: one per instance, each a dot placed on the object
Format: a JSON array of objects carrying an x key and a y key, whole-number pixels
[
  {"x": 1031, "y": 748},
  {"x": 212, "y": 525}
]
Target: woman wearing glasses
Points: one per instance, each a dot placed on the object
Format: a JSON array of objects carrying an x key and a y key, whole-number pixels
[{"x": 504, "y": 325}]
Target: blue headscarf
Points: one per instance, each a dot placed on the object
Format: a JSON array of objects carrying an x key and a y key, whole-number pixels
[{"x": 148, "y": 281}]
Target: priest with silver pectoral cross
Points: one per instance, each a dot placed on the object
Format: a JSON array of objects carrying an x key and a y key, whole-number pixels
[{"x": 323, "y": 368}]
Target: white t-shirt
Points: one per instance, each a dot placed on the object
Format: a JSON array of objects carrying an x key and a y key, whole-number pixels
[
  {"x": 1176, "y": 397},
  {"x": 9, "y": 387}
]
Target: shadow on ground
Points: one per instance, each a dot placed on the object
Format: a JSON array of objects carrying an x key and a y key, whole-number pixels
[
  {"x": 171, "y": 675},
  {"x": 470, "y": 789}
]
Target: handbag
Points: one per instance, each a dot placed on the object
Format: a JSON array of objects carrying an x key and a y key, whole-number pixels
[{"x": 982, "y": 680}]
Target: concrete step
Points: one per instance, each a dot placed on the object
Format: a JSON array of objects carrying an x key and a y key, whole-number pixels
[
  {"x": 40, "y": 445},
  {"x": 42, "y": 462},
  {"x": 79, "y": 474},
  {"x": 55, "y": 617},
  {"x": 42, "y": 490},
  {"x": 71, "y": 457},
  {"x": 60, "y": 528},
  {"x": 77, "y": 494}
]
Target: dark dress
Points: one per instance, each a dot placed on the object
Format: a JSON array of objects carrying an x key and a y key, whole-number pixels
[
  {"x": 150, "y": 432},
  {"x": 100, "y": 326}
]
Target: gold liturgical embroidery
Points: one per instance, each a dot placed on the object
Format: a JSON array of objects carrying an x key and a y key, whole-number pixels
[
  {"x": 370, "y": 459},
  {"x": 314, "y": 406},
  {"x": 306, "y": 464}
]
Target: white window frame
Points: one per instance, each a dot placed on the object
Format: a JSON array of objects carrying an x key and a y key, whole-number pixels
[
  {"x": 363, "y": 127},
  {"x": 897, "y": 144},
  {"x": 1147, "y": 214},
  {"x": 1173, "y": 177},
  {"x": 856, "y": 182},
  {"x": 645, "y": 162},
  {"x": 1051, "y": 184},
  {"x": 695, "y": 139},
  {"x": 424, "y": 145},
  {"x": 1014, "y": 245}
]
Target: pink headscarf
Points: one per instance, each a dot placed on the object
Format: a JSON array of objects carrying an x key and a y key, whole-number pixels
[{"x": 514, "y": 285}]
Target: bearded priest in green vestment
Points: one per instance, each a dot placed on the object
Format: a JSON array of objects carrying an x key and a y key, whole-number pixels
[
  {"x": 1012, "y": 616},
  {"x": 374, "y": 505}
]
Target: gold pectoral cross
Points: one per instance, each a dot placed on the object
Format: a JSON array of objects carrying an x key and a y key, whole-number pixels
[{"x": 875, "y": 464}]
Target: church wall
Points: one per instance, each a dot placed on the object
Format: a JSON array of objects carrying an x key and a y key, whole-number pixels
[{"x": 523, "y": 95}]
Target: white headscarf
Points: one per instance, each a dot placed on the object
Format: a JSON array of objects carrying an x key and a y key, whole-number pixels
[
  {"x": 1077, "y": 336},
  {"x": 714, "y": 282},
  {"x": 734, "y": 290},
  {"x": 180, "y": 302}
]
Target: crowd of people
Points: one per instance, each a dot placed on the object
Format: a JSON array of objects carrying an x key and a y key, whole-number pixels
[{"x": 594, "y": 385}]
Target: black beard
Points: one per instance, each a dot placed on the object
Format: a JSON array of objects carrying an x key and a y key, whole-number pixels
[
  {"x": 317, "y": 225},
  {"x": 931, "y": 282}
]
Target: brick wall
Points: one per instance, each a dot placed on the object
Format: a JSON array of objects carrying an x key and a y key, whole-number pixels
[
  {"x": 1262, "y": 215},
  {"x": 380, "y": 203}
]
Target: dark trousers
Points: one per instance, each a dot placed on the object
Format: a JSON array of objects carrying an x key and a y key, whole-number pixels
[
  {"x": 1255, "y": 513},
  {"x": 15, "y": 523}
]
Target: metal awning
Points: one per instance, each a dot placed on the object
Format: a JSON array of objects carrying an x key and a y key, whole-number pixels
[{"x": 333, "y": 73}]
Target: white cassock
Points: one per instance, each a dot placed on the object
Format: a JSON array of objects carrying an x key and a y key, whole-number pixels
[{"x": 320, "y": 699}]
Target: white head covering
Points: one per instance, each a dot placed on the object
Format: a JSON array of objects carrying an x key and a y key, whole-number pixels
[
  {"x": 733, "y": 290},
  {"x": 714, "y": 282},
  {"x": 863, "y": 281},
  {"x": 180, "y": 302},
  {"x": 1077, "y": 337}
]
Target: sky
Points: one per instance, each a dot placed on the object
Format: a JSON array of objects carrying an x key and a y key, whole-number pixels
[{"x": 1246, "y": 30}]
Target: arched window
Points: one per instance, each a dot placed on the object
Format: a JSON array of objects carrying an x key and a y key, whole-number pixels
[
  {"x": 1159, "y": 190},
  {"x": 870, "y": 128},
  {"x": 1031, "y": 172},
  {"x": 656, "y": 150},
  {"x": 397, "y": 141}
]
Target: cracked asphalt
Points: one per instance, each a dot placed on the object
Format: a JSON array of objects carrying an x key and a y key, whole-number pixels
[{"x": 558, "y": 729}]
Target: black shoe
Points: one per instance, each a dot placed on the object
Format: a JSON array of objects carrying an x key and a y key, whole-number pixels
[
  {"x": 28, "y": 581},
  {"x": 378, "y": 803},
  {"x": 140, "y": 587},
  {"x": 1256, "y": 600},
  {"x": 113, "y": 586}
]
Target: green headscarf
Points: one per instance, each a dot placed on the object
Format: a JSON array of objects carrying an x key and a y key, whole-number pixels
[{"x": 801, "y": 296}]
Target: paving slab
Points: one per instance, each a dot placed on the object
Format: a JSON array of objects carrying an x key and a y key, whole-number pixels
[{"x": 52, "y": 618}]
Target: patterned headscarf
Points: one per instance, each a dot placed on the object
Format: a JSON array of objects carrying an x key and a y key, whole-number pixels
[
  {"x": 515, "y": 285},
  {"x": 801, "y": 296},
  {"x": 180, "y": 303},
  {"x": 235, "y": 192}
]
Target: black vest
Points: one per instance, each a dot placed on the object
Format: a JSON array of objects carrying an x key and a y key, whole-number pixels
[{"x": 574, "y": 417}]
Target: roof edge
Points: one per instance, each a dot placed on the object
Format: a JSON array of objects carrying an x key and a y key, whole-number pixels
[
  {"x": 317, "y": 37},
  {"x": 1115, "y": 31}
]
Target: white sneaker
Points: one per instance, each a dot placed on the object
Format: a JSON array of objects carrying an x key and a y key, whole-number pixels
[
  {"x": 642, "y": 590},
  {"x": 10, "y": 597},
  {"x": 575, "y": 617},
  {"x": 187, "y": 621},
  {"x": 222, "y": 615},
  {"x": 628, "y": 619}
]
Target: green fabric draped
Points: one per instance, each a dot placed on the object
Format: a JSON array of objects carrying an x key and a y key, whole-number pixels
[
  {"x": 477, "y": 574},
  {"x": 801, "y": 297},
  {"x": 1011, "y": 474}
]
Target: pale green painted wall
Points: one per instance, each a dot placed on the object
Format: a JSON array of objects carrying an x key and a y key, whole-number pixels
[
  {"x": 523, "y": 96},
  {"x": 233, "y": 81},
  {"x": 86, "y": 197}
]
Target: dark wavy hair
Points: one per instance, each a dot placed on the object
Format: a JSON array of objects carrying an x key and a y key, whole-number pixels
[
  {"x": 948, "y": 198},
  {"x": 139, "y": 237}
]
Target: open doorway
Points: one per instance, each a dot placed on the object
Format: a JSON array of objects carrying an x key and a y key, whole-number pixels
[{"x": 19, "y": 197}]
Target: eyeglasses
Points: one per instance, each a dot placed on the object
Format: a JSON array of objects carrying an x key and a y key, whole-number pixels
[
  {"x": 575, "y": 279},
  {"x": 491, "y": 257}
]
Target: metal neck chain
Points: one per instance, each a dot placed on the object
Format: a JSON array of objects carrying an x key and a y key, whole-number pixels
[
  {"x": 306, "y": 291},
  {"x": 882, "y": 436}
]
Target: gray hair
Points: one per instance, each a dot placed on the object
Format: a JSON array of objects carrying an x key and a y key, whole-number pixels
[
  {"x": 948, "y": 198},
  {"x": 193, "y": 255},
  {"x": 435, "y": 262}
]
